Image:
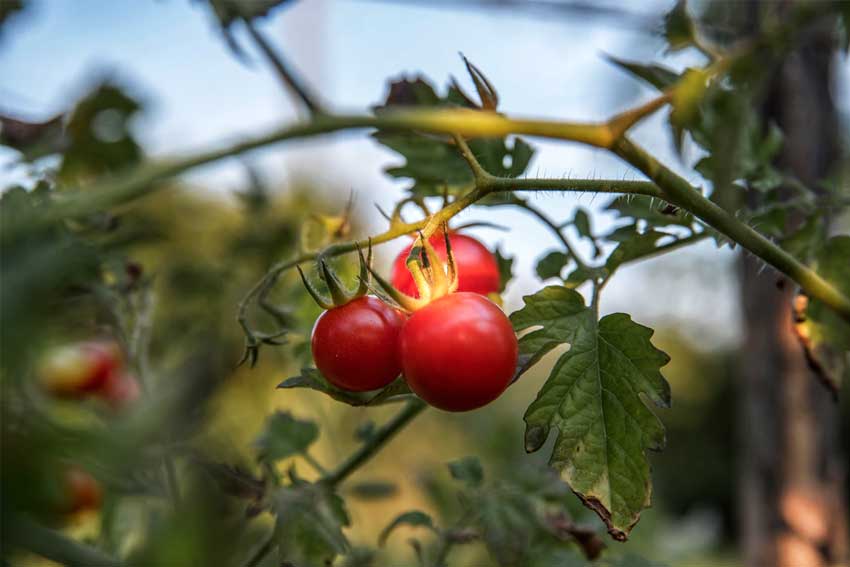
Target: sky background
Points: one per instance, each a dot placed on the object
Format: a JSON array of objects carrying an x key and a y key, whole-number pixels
[{"x": 544, "y": 63}]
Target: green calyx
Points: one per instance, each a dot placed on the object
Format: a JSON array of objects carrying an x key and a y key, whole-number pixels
[
  {"x": 339, "y": 294},
  {"x": 433, "y": 277}
]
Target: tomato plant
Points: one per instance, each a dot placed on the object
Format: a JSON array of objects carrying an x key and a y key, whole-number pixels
[
  {"x": 84, "y": 254},
  {"x": 458, "y": 352}
]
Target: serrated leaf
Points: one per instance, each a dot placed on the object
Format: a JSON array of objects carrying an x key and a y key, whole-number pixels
[
  {"x": 308, "y": 524},
  {"x": 593, "y": 397},
  {"x": 679, "y": 27},
  {"x": 467, "y": 470},
  {"x": 414, "y": 518},
  {"x": 551, "y": 265},
  {"x": 658, "y": 76},
  {"x": 825, "y": 336},
  {"x": 285, "y": 436},
  {"x": 505, "y": 264},
  {"x": 433, "y": 163}
]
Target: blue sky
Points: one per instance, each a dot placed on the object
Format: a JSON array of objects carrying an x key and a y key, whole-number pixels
[{"x": 169, "y": 53}]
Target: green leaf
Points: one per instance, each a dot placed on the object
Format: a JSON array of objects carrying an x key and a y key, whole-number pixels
[
  {"x": 654, "y": 211},
  {"x": 637, "y": 246},
  {"x": 468, "y": 470},
  {"x": 312, "y": 379},
  {"x": 658, "y": 76},
  {"x": 825, "y": 336},
  {"x": 433, "y": 163},
  {"x": 308, "y": 525},
  {"x": 285, "y": 436},
  {"x": 505, "y": 264},
  {"x": 413, "y": 518},
  {"x": 552, "y": 264},
  {"x": 98, "y": 134},
  {"x": 593, "y": 397},
  {"x": 678, "y": 27}
]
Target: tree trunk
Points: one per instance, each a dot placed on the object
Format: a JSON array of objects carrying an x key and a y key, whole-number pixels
[{"x": 793, "y": 475}]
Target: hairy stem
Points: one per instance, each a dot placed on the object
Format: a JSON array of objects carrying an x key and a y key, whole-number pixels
[
  {"x": 681, "y": 193},
  {"x": 375, "y": 442}
]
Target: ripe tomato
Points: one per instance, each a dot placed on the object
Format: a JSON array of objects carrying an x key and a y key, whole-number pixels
[
  {"x": 355, "y": 345},
  {"x": 476, "y": 267},
  {"x": 459, "y": 352},
  {"x": 77, "y": 369},
  {"x": 120, "y": 390},
  {"x": 82, "y": 491}
]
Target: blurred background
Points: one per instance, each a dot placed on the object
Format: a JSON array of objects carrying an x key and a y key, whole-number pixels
[{"x": 203, "y": 242}]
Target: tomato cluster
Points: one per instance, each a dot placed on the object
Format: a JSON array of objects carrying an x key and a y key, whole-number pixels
[
  {"x": 457, "y": 350},
  {"x": 94, "y": 368}
]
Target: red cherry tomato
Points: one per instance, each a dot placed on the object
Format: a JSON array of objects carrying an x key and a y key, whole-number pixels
[
  {"x": 82, "y": 491},
  {"x": 78, "y": 369},
  {"x": 477, "y": 269},
  {"x": 355, "y": 346},
  {"x": 120, "y": 390},
  {"x": 459, "y": 352}
]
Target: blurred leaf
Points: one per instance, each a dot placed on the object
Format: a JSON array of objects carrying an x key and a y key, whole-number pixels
[
  {"x": 582, "y": 223},
  {"x": 229, "y": 11},
  {"x": 593, "y": 398},
  {"x": 678, "y": 27},
  {"x": 803, "y": 242},
  {"x": 414, "y": 518},
  {"x": 687, "y": 96},
  {"x": 467, "y": 470},
  {"x": 308, "y": 526},
  {"x": 373, "y": 489},
  {"x": 285, "y": 436},
  {"x": 552, "y": 264},
  {"x": 505, "y": 264},
  {"x": 825, "y": 336},
  {"x": 33, "y": 139},
  {"x": 98, "y": 134},
  {"x": 658, "y": 76},
  {"x": 433, "y": 162}
]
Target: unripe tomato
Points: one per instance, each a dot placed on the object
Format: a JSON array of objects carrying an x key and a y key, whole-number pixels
[
  {"x": 77, "y": 369},
  {"x": 459, "y": 352},
  {"x": 82, "y": 491},
  {"x": 355, "y": 346},
  {"x": 477, "y": 269},
  {"x": 120, "y": 390}
]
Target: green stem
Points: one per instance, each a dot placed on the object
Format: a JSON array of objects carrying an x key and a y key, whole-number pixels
[
  {"x": 679, "y": 192},
  {"x": 138, "y": 181},
  {"x": 375, "y": 442},
  {"x": 54, "y": 546},
  {"x": 286, "y": 75}
]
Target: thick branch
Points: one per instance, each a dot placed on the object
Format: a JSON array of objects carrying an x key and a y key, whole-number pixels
[{"x": 681, "y": 193}]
